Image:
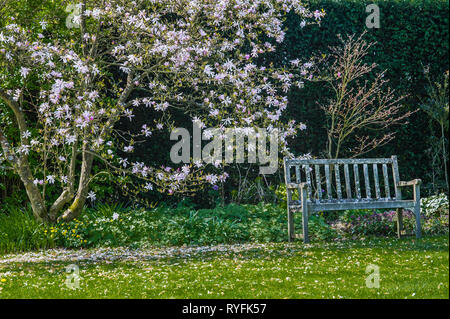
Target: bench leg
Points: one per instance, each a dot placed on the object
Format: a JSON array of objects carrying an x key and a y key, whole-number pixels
[
  {"x": 417, "y": 210},
  {"x": 291, "y": 230},
  {"x": 305, "y": 215},
  {"x": 399, "y": 222}
]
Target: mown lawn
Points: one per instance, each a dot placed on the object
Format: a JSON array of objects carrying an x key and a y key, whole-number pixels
[{"x": 408, "y": 268}]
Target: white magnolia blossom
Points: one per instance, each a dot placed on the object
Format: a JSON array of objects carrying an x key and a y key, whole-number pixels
[{"x": 203, "y": 61}]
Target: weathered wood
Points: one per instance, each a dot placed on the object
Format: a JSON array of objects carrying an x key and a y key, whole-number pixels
[
  {"x": 398, "y": 192},
  {"x": 287, "y": 171},
  {"x": 357, "y": 187},
  {"x": 308, "y": 180},
  {"x": 311, "y": 202},
  {"x": 417, "y": 210},
  {"x": 366, "y": 181},
  {"x": 305, "y": 215},
  {"x": 348, "y": 188},
  {"x": 318, "y": 182},
  {"x": 377, "y": 183},
  {"x": 409, "y": 183},
  {"x": 328, "y": 181},
  {"x": 297, "y": 174},
  {"x": 387, "y": 192},
  {"x": 292, "y": 186},
  {"x": 340, "y": 161},
  {"x": 338, "y": 181},
  {"x": 346, "y": 205}
]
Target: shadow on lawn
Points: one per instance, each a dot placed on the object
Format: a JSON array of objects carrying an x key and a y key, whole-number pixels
[{"x": 170, "y": 255}]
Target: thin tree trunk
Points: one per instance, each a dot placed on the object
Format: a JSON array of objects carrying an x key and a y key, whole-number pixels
[
  {"x": 34, "y": 195},
  {"x": 83, "y": 187},
  {"x": 20, "y": 163},
  {"x": 68, "y": 193}
]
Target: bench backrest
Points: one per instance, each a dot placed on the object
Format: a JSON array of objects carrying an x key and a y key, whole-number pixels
[{"x": 345, "y": 179}]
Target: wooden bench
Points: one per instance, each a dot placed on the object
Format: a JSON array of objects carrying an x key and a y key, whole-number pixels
[{"x": 332, "y": 185}]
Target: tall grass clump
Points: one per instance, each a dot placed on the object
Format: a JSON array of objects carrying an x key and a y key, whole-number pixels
[{"x": 19, "y": 231}]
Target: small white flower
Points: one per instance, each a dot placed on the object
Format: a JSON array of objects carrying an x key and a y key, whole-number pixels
[
  {"x": 26, "y": 134},
  {"x": 24, "y": 71},
  {"x": 115, "y": 216},
  {"x": 91, "y": 196},
  {"x": 198, "y": 164},
  {"x": 128, "y": 149},
  {"x": 43, "y": 24},
  {"x": 50, "y": 179}
]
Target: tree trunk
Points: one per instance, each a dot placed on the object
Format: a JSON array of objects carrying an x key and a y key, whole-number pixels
[
  {"x": 83, "y": 187},
  {"x": 21, "y": 166}
]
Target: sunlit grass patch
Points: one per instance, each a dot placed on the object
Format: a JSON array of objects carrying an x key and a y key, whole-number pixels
[{"x": 408, "y": 268}]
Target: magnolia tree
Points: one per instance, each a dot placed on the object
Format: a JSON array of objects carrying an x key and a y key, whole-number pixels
[{"x": 61, "y": 100}]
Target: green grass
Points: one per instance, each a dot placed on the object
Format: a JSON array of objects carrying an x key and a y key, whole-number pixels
[{"x": 409, "y": 268}]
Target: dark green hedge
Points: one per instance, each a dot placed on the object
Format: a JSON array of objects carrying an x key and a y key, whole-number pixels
[{"x": 412, "y": 34}]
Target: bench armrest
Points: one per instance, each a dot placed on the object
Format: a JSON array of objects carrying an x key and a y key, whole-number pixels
[
  {"x": 296, "y": 186},
  {"x": 409, "y": 183}
]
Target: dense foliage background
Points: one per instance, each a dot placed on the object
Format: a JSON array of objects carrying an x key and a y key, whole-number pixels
[{"x": 413, "y": 36}]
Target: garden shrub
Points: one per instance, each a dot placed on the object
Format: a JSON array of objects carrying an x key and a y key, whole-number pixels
[
  {"x": 184, "y": 225},
  {"x": 116, "y": 225},
  {"x": 435, "y": 210}
]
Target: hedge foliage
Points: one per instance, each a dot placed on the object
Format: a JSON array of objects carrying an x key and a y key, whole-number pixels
[{"x": 413, "y": 34}]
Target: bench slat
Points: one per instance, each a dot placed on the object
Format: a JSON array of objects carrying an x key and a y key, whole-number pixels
[
  {"x": 338, "y": 181},
  {"x": 387, "y": 191},
  {"x": 357, "y": 187},
  {"x": 287, "y": 176},
  {"x": 362, "y": 205},
  {"x": 345, "y": 204},
  {"x": 340, "y": 161},
  {"x": 318, "y": 181},
  {"x": 297, "y": 174},
  {"x": 375, "y": 177},
  {"x": 328, "y": 179},
  {"x": 347, "y": 181},
  {"x": 398, "y": 192},
  {"x": 308, "y": 180},
  {"x": 366, "y": 180}
]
